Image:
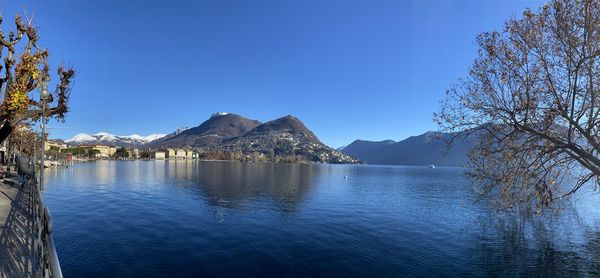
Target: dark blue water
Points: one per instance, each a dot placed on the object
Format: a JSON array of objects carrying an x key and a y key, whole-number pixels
[{"x": 192, "y": 219}]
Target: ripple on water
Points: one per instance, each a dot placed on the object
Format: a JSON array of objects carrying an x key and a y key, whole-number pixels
[{"x": 123, "y": 219}]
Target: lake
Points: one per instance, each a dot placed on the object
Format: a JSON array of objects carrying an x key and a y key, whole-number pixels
[{"x": 193, "y": 218}]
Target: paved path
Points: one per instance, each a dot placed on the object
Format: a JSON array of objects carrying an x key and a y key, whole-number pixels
[{"x": 16, "y": 226}]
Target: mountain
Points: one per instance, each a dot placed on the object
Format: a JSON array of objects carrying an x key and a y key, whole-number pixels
[
  {"x": 220, "y": 126},
  {"x": 166, "y": 137},
  {"x": 105, "y": 138},
  {"x": 231, "y": 136},
  {"x": 287, "y": 125},
  {"x": 286, "y": 137},
  {"x": 360, "y": 147},
  {"x": 425, "y": 149}
]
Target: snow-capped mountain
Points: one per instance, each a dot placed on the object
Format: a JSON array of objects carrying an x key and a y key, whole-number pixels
[
  {"x": 218, "y": 114},
  {"x": 106, "y": 138},
  {"x": 179, "y": 130}
]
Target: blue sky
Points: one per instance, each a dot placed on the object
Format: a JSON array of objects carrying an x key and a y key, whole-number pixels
[{"x": 349, "y": 69}]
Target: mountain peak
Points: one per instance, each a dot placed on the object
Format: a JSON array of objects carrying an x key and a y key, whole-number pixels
[
  {"x": 218, "y": 114},
  {"x": 425, "y": 149},
  {"x": 359, "y": 147},
  {"x": 180, "y": 130},
  {"x": 102, "y": 133},
  {"x": 81, "y": 137},
  {"x": 110, "y": 139},
  {"x": 289, "y": 124},
  {"x": 105, "y": 136},
  {"x": 218, "y": 127},
  {"x": 388, "y": 141},
  {"x": 286, "y": 138}
]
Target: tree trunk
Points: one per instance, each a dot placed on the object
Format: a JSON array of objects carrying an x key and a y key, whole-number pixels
[{"x": 5, "y": 131}]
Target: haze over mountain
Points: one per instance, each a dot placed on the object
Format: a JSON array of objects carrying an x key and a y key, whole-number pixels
[{"x": 425, "y": 149}]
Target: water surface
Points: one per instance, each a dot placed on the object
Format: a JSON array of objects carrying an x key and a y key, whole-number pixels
[{"x": 192, "y": 218}]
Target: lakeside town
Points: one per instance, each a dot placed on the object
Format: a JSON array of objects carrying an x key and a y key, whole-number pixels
[
  {"x": 57, "y": 150},
  {"x": 284, "y": 140},
  {"x": 224, "y": 136}
]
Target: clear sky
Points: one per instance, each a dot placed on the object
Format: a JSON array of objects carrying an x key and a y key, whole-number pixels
[{"x": 349, "y": 69}]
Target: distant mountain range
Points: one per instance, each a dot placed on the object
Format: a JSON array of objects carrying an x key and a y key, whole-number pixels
[
  {"x": 114, "y": 140},
  {"x": 289, "y": 137},
  {"x": 283, "y": 139},
  {"x": 425, "y": 149}
]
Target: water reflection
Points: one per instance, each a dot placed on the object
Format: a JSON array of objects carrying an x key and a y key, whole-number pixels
[
  {"x": 220, "y": 184},
  {"x": 196, "y": 219},
  {"x": 231, "y": 184},
  {"x": 556, "y": 244}
]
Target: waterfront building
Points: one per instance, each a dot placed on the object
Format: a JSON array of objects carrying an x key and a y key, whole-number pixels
[
  {"x": 174, "y": 153},
  {"x": 134, "y": 153},
  {"x": 103, "y": 150},
  {"x": 158, "y": 155},
  {"x": 54, "y": 144}
]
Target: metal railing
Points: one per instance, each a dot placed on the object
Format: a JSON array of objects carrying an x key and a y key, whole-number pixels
[{"x": 48, "y": 264}]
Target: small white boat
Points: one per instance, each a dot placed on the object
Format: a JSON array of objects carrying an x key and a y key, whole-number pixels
[{"x": 432, "y": 166}]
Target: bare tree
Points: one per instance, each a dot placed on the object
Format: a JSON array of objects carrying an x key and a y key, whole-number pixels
[
  {"x": 532, "y": 98},
  {"x": 24, "y": 141},
  {"x": 25, "y": 67}
]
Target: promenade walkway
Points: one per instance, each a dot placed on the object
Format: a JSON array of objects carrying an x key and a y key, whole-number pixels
[{"x": 17, "y": 255}]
